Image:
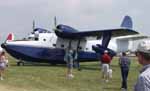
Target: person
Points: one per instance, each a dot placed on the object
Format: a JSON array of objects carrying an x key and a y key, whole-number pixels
[
  {"x": 106, "y": 59},
  {"x": 69, "y": 60},
  {"x": 3, "y": 63},
  {"x": 76, "y": 61},
  {"x": 124, "y": 63},
  {"x": 143, "y": 55}
]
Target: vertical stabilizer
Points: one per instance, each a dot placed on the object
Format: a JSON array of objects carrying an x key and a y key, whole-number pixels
[
  {"x": 127, "y": 22},
  {"x": 10, "y": 37}
]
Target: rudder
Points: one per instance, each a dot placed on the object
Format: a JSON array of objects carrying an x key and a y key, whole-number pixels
[{"x": 127, "y": 22}]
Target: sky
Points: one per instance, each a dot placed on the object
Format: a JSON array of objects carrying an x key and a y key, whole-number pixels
[{"x": 16, "y": 16}]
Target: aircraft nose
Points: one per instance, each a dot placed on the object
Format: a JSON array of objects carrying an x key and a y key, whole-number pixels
[{"x": 3, "y": 45}]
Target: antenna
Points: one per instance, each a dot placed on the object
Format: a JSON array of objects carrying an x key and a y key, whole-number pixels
[{"x": 33, "y": 25}]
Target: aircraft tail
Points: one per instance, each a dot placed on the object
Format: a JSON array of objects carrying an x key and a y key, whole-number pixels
[
  {"x": 10, "y": 37},
  {"x": 127, "y": 22}
]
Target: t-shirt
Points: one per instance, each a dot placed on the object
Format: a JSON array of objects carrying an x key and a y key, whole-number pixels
[
  {"x": 124, "y": 61},
  {"x": 106, "y": 58}
]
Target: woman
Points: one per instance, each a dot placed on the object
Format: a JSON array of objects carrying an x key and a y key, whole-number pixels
[
  {"x": 69, "y": 60},
  {"x": 3, "y": 64}
]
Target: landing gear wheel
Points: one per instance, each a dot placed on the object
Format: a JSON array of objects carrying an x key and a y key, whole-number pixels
[
  {"x": 20, "y": 63},
  {"x": 53, "y": 64}
]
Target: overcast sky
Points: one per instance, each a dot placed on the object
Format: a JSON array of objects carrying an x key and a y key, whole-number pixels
[{"x": 16, "y": 16}]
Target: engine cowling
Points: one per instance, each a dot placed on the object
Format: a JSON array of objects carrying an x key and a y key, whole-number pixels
[
  {"x": 65, "y": 31},
  {"x": 100, "y": 50}
]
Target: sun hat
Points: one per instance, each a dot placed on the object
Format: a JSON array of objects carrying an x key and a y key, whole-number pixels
[
  {"x": 105, "y": 51},
  {"x": 144, "y": 46}
]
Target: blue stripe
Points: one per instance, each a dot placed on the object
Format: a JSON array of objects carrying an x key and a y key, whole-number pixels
[{"x": 37, "y": 54}]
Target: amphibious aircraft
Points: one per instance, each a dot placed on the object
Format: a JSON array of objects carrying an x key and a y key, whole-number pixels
[{"x": 49, "y": 46}]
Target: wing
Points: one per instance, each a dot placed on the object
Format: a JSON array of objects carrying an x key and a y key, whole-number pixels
[
  {"x": 114, "y": 32},
  {"x": 65, "y": 31},
  {"x": 74, "y": 34},
  {"x": 133, "y": 37}
]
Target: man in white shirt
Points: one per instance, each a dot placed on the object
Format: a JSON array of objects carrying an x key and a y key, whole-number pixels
[{"x": 143, "y": 54}]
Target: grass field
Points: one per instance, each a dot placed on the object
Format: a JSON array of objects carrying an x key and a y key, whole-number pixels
[{"x": 52, "y": 78}]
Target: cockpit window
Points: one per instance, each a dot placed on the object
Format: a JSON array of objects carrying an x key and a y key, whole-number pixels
[{"x": 41, "y": 30}]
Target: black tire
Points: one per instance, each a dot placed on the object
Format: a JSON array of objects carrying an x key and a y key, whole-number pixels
[{"x": 20, "y": 63}]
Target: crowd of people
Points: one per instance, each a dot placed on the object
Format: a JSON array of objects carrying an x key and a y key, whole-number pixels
[{"x": 142, "y": 53}]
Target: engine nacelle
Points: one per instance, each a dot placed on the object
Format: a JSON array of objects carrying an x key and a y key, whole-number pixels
[
  {"x": 65, "y": 31},
  {"x": 100, "y": 50}
]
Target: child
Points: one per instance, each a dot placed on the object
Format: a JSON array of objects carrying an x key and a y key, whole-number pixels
[
  {"x": 2, "y": 64},
  {"x": 110, "y": 73}
]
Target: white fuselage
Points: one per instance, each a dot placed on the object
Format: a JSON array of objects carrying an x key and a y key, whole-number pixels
[
  {"x": 50, "y": 40},
  {"x": 50, "y": 48}
]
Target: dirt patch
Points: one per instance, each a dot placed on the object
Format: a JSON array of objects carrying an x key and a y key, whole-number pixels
[{"x": 10, "y": 88}]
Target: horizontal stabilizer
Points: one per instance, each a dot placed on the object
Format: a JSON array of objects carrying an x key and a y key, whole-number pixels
[{"x": 133, "y": 37}]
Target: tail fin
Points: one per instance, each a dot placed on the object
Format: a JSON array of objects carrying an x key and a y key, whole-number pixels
[
  {"x": 127, "y": 22},
  {"x": 10, "y": 37}
]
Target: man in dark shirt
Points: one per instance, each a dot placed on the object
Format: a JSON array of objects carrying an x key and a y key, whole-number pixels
[{"x": 124, "y": 63}]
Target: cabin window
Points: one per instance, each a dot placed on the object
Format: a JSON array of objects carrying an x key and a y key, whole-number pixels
[
  {"x": 54, "y": 44},
  {"x": 36, "y": 39},
  {"x": 80, "y": 47},
  {"x": 44, "y": 39},
  {"x": 62, "y": 45}
]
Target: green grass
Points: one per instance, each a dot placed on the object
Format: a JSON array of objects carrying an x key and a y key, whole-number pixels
[{"x": 52, "y": 78}]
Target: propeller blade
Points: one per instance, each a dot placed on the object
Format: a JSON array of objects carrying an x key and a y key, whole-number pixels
[
  {"x": 55, "y": 22},
  {"x": 33, "y": 25}
]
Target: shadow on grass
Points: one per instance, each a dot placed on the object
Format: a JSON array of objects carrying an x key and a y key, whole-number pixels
[
  {"x": 90, "y": 68},
  {"x": 93, "y": 66},
  {"x": 111, "y": 89},
  {"x": 39, "y": 64}
]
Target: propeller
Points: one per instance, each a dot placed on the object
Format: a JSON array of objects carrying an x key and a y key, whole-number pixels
[
  {"x": 33, "y": 25},
  {"x": 56, "y": 27},
  {"x": 55, "y": 22}
]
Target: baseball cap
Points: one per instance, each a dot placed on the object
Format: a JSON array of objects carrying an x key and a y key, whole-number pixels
[
  {"x": 144, "y": 46},
  {"x": 105, "y": 51}
]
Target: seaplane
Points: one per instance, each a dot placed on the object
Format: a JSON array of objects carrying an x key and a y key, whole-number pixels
[{"x": 45, "y": 46}]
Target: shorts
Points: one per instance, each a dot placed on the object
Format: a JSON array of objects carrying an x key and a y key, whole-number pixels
[
  {"x": 70, "y": 64},
  {"x": 105, "y": 69},
  {"x": 2, "y": 66}
]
